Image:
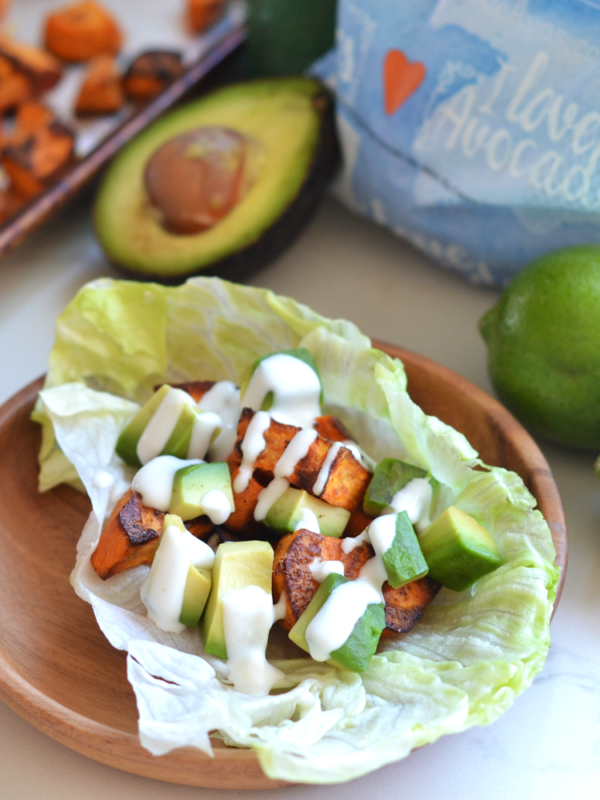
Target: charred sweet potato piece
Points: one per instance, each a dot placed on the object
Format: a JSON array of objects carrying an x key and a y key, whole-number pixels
[
  {"x": 35, "y": 161},
  {"x": 10, "y": 203},
  {"x": 100, "y": 91},
  {"x": 330, "y": 427},
  {"x": 30, "y": 118},
  {"x": 150, "y": 73},
  {"x": 200, "y": 527},
  {"x": 15, "y": 88},
  {"x": 40, "y": 68},
  {"x": 81, "y": 31},
  {"x": 130, "y": 537},
  {"x": 291, "y": 568},
  {"x": 292, "y": 576},
  {"x": 357, "y": 523},
  {"x": 242, "y": 519},
  {"x": 347, "y": 481},
  {"x": 201, "y": 14},
  {"x": 405, "y": 605}
]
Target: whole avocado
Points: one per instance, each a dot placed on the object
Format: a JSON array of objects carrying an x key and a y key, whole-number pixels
[
  {"x": 290, "y": 119},
  {"x": 543, "y": 339}
]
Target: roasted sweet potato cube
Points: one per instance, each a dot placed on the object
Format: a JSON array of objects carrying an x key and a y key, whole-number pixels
[
  {"x": 101, "y": 91},
  {"x": 201, "y": 14},
  {"x": 242, "y": 519},
  {"x": 35, "y": 161},
  {"x": 15, "y": 87},
  {"x": 347, "y": 482},
  {"x": 200, "y": 527},
  {"x": 30, "y": 118},
  {"x": 81, "y": 31},
  {"x": 277, "y": 437},
  {"x": 150, "y": 74},
  {"x": 357, "y": 523},
  {"x": 291, "y": 568},
  {"x": 405, "y": 605},
  {"x": 130, "y": 537},
  {"x": 10, "y": 203},
  {"x": 330, "y": 427},
  {"x": 41, "y": 69}
]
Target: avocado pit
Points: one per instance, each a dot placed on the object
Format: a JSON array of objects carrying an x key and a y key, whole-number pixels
[{"x": 196, "y": 179}]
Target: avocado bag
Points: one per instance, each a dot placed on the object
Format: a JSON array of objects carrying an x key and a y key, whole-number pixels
[
  {"x": 471, "y": 128},
  {"x": 462, "y": 665}
]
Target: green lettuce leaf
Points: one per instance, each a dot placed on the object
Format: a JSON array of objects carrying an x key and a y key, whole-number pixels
[{"x": 462, "y": 665}]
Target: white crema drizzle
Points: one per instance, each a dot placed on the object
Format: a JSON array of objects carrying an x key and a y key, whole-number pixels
[
  {"x": 321, "y": 480},
  {"x": 296, "y": 450},
  {"x": 295, "y": 386},
  {"x": 308, "y": 521},
  {"x": 154, "y": 481},
  {"x": 415, "y": 499},
  {"x": 252, "y": 446},
  {"x": 320, "y": 569},
  {"x": 223, "y": 399},
  {"x": 248, "y": 615},
  {"x": 203, "y": 430},
  {"x": 162, "y": 424}
]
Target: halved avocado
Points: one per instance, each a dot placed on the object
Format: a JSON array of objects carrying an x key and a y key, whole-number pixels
[{"x": 290, "y": 118}]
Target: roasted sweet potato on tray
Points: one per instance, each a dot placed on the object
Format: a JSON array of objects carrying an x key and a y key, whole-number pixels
[
  {"x": 150, "y": 73},
  {"x": 15, "y": 87},
  {"x": 40, "y": 68},
  {"x": 81, "y": 31},
  {"x": 292, "y": 577},
  {"x": 35, "y": 160},
  {"x": 201, "y": 14},
  {"x": 347, "y": 481},
  {"x": 131, "y": 536},
  {"x": 10, "y": 203},
  {"x": 100, "y": 91}
]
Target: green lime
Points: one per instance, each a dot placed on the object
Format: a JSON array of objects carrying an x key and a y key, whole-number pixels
[{"x": 543, "y": 339}]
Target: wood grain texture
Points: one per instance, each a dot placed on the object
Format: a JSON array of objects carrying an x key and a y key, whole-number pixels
[{"x": 79, "y": 695}]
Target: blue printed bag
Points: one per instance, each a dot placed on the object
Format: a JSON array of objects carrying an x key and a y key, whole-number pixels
[{"x": 472, "y": 127}]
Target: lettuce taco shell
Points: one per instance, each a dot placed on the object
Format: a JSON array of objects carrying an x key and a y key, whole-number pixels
[{"x": 462, "y": 665}]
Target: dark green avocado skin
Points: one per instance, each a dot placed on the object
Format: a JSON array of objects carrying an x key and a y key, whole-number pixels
[{"x": 241, "y": 264}]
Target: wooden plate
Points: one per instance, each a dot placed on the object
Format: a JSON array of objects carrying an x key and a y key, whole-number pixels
[{"x": 80, "y": 695}]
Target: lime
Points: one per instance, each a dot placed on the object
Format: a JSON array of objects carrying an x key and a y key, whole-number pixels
[{"x": 543, "y": 339}]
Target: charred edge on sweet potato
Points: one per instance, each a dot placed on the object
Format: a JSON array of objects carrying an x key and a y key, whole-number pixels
[
  {"x": 345, "y": 486},
  {"x": 292, "y": 578},
  {"x": 150, "y": 73},
  {"x": 330, "y": 427}
]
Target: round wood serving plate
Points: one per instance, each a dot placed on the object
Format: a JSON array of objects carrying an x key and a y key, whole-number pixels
[{"x": 56, "y": 668}]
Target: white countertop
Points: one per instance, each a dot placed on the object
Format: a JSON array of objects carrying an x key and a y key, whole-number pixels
[{"x": 548, "y": 744}]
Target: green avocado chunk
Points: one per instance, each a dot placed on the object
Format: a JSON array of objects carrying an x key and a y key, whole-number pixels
[
  {"x": 236, "y": 565},
  {"x": 195, "y": 595},
  {"x": 458, "y": 550},
  {"x": 358, "y": 649},
  {"x": 179, "y": 440},
  {"x": 284, "y": 514},
  {"x": 403, "y": 560},
  {"x": 389, "y": 477},
  {"x": 192, "y": 483},
  {"x": 291, "y": 122}
]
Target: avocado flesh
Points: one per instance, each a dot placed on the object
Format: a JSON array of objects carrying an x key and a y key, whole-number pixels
[
  {"x": 358, "y": 649},
  {"x": 458, "y": 550},
  {"x": 284, "y": 514},
  {"x": 290, "y": 118},
  {"x": 193, "y": 482},
  {"x": 130, "y": 435},
  {"x": 237, "y": 564},
  {"x": 195, "y": 595},
  {"x": 389, "y": 477},
  {"x": 404, "y": 560}
]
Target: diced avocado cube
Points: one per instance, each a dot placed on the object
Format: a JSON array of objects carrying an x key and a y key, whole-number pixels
[
  {"x": 389, "y": 477},
  {"x": 173, "y": 519},
  {"x": 358, "y": 649},
  {"x": 195, "y": 595},
  {"x": 128, "y": 440},
  {"x": 403, "y": 560},
  {"x": 237, "y": 564},
  {"x": 284, "y": 514},
  {"x": 458, "y": 550},
  {"x": 178, "y": 442},
  {"x": 192, "y": 483}
]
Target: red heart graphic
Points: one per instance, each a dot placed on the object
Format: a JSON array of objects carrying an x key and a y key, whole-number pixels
[{"x": 401, "y": 78}]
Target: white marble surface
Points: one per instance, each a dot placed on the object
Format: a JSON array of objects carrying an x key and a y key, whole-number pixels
[{"x": 548, "y": 744}]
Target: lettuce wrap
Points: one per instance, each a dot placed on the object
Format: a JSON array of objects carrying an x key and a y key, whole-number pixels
[{"x": 461, "y": 665}]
